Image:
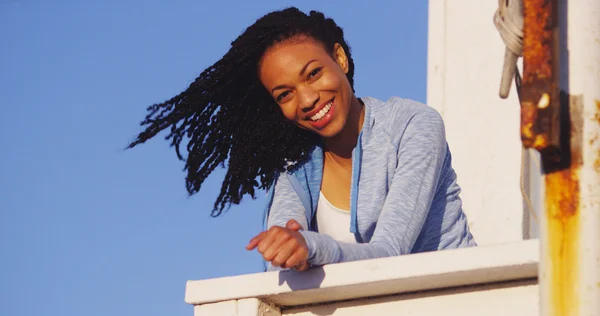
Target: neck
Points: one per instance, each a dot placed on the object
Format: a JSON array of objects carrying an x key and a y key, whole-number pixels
[{"x": 341, "y": 145}]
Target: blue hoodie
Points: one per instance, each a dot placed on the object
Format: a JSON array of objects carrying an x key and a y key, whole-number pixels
[{"x": 404, "y": 196}]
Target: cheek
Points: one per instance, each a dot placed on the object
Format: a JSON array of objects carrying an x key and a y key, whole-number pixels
[
  {"x": 332, "y": 82},
  {"x": 338, "y": 83},
  {"x": 289, "y": 111}
]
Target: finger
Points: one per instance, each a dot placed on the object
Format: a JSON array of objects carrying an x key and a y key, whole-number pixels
[
  {"x": 284, "y": 252},
  {"x": 267, "y": 239},
  {"x": 280, "y": 239},
  {"x": 298, "y": 256},
  {"x": 254, "y": 241},
  {"x": 303, "y": 266},
  {"x": 293, "y": 225}
]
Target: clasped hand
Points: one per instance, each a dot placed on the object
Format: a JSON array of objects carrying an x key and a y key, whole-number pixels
[{"x": 284, "y": 247}]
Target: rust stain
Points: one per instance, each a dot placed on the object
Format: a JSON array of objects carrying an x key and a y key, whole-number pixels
[
  {"x": 539, "y": 94},
  {"x": 528, "y": 117},
  {"x": 530, "y": 136},
  {"x": 540, "y": 142},
  {"x": 562, "y": 200},
  {"x": 563, "y": 219},
  {"x": 537, "y": 40},
  {"x": 595, "y": 138}
]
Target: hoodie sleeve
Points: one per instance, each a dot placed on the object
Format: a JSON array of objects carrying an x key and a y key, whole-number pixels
[
  {"x": 420, "y": 153},
  {"x": 286, "y": 205}
]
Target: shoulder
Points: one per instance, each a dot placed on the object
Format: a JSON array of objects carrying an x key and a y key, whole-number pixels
[{"x": 398, "y": 117}]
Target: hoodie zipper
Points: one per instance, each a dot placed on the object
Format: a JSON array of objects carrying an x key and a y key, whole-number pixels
[{"x": 356, "y": 163}]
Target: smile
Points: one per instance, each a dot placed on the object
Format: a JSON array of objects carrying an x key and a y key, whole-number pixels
[{"x": 322, "y": 113}]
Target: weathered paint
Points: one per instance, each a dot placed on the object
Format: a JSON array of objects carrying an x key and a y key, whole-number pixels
[
  {"x": 594, "y": 139},
  {"x": 544, "y": 101},
  {"x": 542, "y": 123},
  {"x": 540, "y": 104},
  {"x": 538, "y": 25},
  {"x": 563, "y": 215},
  {"x": 562, "y": 191},
  {"x": 529, "y": 134}
]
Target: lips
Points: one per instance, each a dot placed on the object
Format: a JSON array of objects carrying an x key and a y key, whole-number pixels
[
  {"x": 323, "y": 115},
  {"x": 318, "y": 109}
]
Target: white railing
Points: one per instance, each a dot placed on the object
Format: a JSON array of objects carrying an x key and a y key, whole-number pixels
[{"x": 485, "y": 280}]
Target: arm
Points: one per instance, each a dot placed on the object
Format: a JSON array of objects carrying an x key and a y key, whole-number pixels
[
  {"x": 421, "y": 155},
  {"x": 285, "y": 207}
]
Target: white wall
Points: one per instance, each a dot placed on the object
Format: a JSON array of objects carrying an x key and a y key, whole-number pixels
[
  {"x": 465, "y": 57},
  {"x": 490, "y": 280},
  {"x": 490, "y": 301}
]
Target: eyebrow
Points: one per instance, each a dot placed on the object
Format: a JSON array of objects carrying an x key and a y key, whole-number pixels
[
  {"x": 281, "y": 86},
  {"x": 306, "y": 66}
]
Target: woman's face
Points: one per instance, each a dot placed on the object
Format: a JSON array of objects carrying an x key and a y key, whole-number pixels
[{"x": 309, "y": 84}]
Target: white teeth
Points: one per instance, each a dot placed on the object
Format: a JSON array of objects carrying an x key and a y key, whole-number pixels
[{"x": 321, "y": 113}]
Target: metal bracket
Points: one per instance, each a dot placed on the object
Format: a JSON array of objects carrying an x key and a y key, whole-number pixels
[{"x": 540, "y": 92}]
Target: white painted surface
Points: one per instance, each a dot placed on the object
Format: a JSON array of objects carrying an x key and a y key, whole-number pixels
[
  {"x": 518, "y": 299},
  {"x": 465, "y": 57},
  {"x": 256, "y": 307},
  {"x": 376, "y": 277},
  {"x": 583, "y": 59},
  {"x": 243, "y": 307},
  {"x": 584, "y": 79},
  {"x": 228, "y": 308}
]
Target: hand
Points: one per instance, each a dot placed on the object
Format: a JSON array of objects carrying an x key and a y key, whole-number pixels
[{"x": 284, "y": 247}]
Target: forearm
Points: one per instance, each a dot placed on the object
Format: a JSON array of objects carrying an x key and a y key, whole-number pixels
[{"x": 325, "y": 250}]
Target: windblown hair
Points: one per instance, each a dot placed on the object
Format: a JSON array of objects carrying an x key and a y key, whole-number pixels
[{"x": 227, "y": 114}]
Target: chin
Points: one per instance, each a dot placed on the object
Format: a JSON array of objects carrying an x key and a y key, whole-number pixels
[{"x": 329, "y": 131}]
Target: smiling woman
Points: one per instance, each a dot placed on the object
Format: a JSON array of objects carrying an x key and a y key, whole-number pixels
[{"x": 348, "y": 178}]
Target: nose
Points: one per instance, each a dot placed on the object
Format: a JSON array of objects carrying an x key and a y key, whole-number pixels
[{"x": 308, "y": 98}]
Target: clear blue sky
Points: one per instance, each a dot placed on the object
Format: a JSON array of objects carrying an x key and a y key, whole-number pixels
[{"x": 87, "y": 228}]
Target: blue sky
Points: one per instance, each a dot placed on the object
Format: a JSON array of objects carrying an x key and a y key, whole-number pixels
[{"x": 88, "y": 228}]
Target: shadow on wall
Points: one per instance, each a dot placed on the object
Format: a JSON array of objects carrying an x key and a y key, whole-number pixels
[{"x": 309, "y": 279}]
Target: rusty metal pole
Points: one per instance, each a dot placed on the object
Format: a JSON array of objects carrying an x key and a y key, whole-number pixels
[
  {"x": 560, "y": 117},
  {"x": 581, "y": 57}
]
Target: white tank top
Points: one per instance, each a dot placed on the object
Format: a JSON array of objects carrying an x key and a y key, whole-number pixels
[{"x": 333, "y": 221}]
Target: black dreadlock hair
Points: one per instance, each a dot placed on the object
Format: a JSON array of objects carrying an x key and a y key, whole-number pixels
[{"x": 219, "y": 112}]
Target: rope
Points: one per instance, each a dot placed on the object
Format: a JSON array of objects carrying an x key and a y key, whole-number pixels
[
  {"x": 509, "y": 23},
  {"x": 524, "y": 194},
  {"x": 536, "y": 162}
]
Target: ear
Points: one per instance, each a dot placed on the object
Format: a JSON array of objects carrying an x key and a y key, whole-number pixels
[{"x": 340, "y": 57}]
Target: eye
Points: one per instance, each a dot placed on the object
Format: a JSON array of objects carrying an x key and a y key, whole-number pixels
[
  {"x": 314, "y": 73},
  {"x": 282, "y": 96}
]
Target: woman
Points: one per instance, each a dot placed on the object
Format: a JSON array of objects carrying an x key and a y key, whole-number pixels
[{"x": 348, "y": 178}]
